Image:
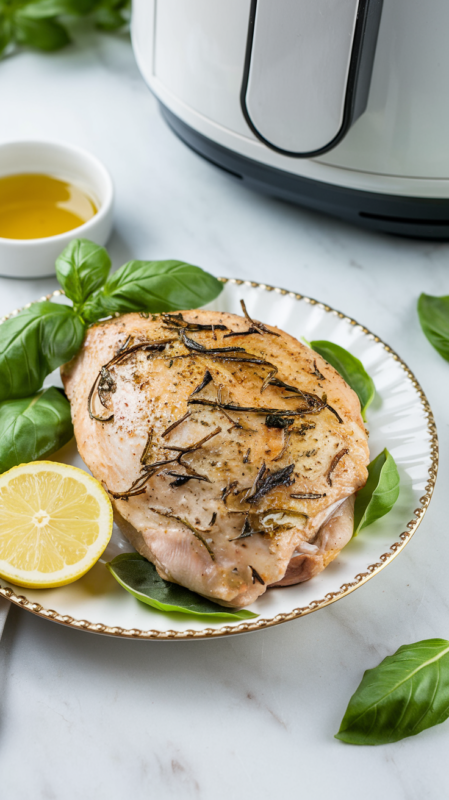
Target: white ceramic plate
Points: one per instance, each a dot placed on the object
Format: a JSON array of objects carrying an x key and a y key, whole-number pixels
[{"x": 399, "y": 419}]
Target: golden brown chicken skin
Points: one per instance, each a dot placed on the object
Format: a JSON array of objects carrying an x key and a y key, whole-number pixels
[{"x": 231, "y": 452}]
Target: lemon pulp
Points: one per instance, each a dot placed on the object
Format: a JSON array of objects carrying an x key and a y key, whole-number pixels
[
  {"x": 33, "y": 206},
  {"x": 55, "y": 521}
]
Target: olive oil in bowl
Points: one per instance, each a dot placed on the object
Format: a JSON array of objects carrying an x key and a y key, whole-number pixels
[{"x": 35, "y": 206}]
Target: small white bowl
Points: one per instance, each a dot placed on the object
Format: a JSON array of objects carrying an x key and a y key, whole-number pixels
[{"x": 35, "y": 258}]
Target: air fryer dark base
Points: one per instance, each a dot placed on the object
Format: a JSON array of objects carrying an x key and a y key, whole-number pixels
[{"x": 415, "y": 217}]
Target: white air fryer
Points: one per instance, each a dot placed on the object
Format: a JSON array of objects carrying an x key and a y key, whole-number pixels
[{"x": 339, "y": 105}]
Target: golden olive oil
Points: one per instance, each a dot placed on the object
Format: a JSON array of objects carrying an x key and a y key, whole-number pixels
[{"x": 33, "y": 206}]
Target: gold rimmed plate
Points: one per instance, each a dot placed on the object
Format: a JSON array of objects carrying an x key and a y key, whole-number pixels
[{"x": 400, "y": 419}]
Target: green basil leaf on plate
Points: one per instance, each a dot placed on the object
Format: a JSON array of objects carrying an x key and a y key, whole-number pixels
[
  {"x": 379, "y": 494},
  {"x": 407, "y": 693},
  {"x": 33, "y": 427},
  {"x": 140, "y": 578},
  {"x": 152, "y": 286},
  {"x": 433, "y": 315},
  {"x": 44, "y": 34},
  {"x": 33, "y": 343},
  {"x": 82, "y": 268},
  {"x": 350, "y": 368}
]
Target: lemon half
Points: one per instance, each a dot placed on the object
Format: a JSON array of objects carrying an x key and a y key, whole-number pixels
[{"x": 55, "y": 522}]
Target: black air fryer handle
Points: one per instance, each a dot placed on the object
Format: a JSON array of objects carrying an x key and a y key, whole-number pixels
[
  {"x": 364, "y": 51},
  {"x": 308, "y": 71}
]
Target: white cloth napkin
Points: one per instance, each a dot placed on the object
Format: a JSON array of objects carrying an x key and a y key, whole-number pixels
[{"x": 4, "y": 608}]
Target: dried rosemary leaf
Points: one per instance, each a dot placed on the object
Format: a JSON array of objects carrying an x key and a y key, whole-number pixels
[
  {"x": 267, "y": 481},
  {"x": 334, "y": 463}
]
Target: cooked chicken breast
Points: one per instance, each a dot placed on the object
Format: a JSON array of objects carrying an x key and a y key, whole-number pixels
[{"x": 230, "y": 451}]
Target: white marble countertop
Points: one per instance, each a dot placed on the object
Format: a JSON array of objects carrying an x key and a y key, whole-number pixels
[{"x": 85, "y": 716}]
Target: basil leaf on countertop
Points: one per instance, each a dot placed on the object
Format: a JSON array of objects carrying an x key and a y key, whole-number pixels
[
  {"x": 109, "y": 19},
  {"x": 433, "y": 313},
  {"x": 44, "y": 34},
  {"x": 407, "y": 693},
  {"x": 46, "y": 9},
  {"x": 379, "y": 494},
  {"x": 350, "y": 368},
  {"x": 140, "y": 578},
  {"x": 5, "y": 34},
  {"x": 33, "y": 343},
  {"x": 81, "y": 269},
  {"x": 152, "y": 286},
  {"x": 37, "y": 23},
  {"x": 33, "y": 427}
]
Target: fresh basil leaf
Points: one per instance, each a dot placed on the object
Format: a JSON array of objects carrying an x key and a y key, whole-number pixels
[
  {"x": 5, "y": 34},
  {"x": 33, "y": 427},
  {"x": 350, "y": 368},
  {"x": 36, "y": 22},
  {"x": 407, "y": 693},
  {"x": 108, "y": 19},
  {"x": 117, "y": 5},
  {"x": 44, "y": 34},
  {"x": 33, "y": 344},
  {"x": 379, "y": 494},
  {"x": 123, "y": 6},
  {"x": 46, "y": 9},
  {"x": 82, "y": 268},
  {"x": 433, "y": 313},
  {"x": 140, "y": 578},
  {"x": 152, "y": 286}
]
